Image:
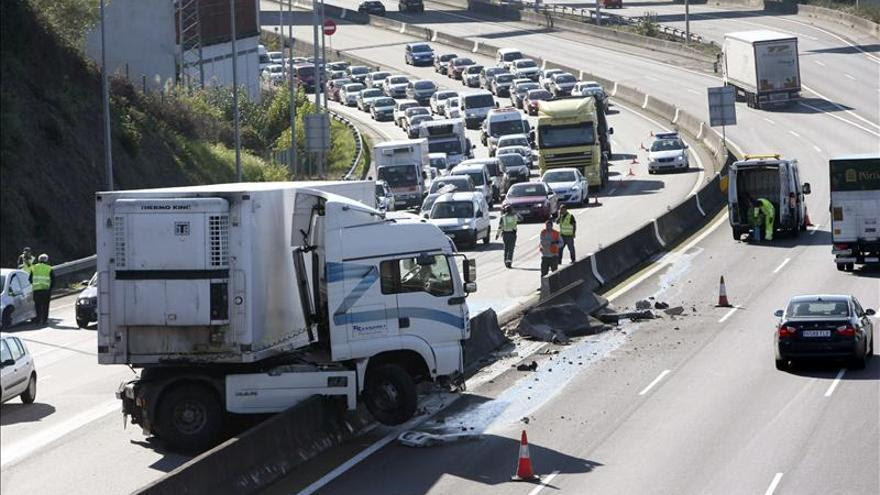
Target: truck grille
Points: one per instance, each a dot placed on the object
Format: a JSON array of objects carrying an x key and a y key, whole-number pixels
[
  {"x": 218, "y": 231},
  {"x": 119, "y": 241},
  {"x": 555, "y": 160}
]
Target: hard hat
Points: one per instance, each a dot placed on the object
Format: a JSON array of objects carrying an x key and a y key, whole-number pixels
[{"x": 43, "y": 258}]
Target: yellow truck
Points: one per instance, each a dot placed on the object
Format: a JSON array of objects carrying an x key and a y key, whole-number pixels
[{"x": 573, "y": 132}]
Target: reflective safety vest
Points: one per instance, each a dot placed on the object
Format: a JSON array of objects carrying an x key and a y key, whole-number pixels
[
  {"x": 42, "y": 276},
  {"x": 566, "y": 224},
  {"x": 767, "y": 208},
  {"x": 550, "y": 243},
  {"x": 508, "y": 223}
]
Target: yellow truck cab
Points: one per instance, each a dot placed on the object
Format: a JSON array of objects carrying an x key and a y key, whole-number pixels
[{"x": 573, "y": 132}]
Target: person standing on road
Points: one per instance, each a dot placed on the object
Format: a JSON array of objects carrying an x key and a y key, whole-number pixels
[
  {"x": 26, "y": 259},
  {"x": 769, "y": 216},
  {"x": 42, "y": 278},
  {"x": 507, "y": 230},
  {"x": 567, "y": 229},
  {"x": 549, "y": 247}
]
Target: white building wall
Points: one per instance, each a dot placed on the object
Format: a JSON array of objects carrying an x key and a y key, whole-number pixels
[{"x": 217, "y": 65}]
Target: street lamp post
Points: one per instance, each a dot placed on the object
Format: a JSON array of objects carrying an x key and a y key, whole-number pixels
[
  {"x": 105, "y": 94},
  {"x": 235, "y": 116}
]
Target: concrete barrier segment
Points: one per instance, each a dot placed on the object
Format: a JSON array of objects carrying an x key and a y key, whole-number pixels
[
  {"x": 625, "y": 255},
  {"x": 486, "y": 336}
]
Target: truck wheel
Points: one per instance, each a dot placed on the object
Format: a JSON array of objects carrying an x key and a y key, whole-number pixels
[
  {"x": 190, "y": 418},
  {"x": 390, "y": 394},
  {"x": 82, "y": 322}
]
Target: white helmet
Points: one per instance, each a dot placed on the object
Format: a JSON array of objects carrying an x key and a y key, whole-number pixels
[{"x": 43, "y": 258}]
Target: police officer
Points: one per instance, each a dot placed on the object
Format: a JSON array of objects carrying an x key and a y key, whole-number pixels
[
  {"x": 26, "y": 259},
  {"x": 42, "y": 278},
  {"x": 567, "y": 229},
  {"x": 507, "y": 231},
  {"x": 549, "y": 247}
]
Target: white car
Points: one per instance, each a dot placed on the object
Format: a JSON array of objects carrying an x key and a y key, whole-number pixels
[
  {"x": 667, "y": 152},
  {"x": 349, "y": 93},
  {"x": 18, "y": 376},
  {"x": 569, "y": 185},
  {"x": 375, "y": 79},
  {"x": 400, "y": 109},
  {"x": 590, "y": 88},
  {"x": 525, "y": 67},
  {"x": 562, "y": 84},
  {"x": 276, "y": 57},
  {"x": 438, "y": 100},
  {"x": 274, "y": 74},
  {"x": 16, "y": 297},
  {"x": 395, "y": 86},
  {"x": 452, "y": 108},
  {"x": 479, "y": 174},
  {"x": 438, "y": 161},
  {"x": 546, "y": 77},
  {"x": 523, "y": 151},
  {"x": 463, "y": 216}
]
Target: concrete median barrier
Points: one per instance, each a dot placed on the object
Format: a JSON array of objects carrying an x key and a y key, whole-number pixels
[
  {"x": 265, "y": 453},
  {"x": 676, "y": 223},
  {"x": 630, "y": 95},
  {"x": 626, "y": 255},
  {"x": 689, "y": 124},
  {"x": 486, "y": 336},
  {"x": 661, "y": 108}
]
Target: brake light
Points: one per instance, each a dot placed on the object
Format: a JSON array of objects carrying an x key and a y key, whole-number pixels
[
  {"x": 846, "y": 331},
  {"x": 787, "y": 331},
  {"x": 841, "y": 247}
]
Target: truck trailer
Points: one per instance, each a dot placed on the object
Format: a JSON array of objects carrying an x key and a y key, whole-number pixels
[
  {"x": 248, "y": 298},
  {"x": 762, "y": 66},
  {"x": 855, "y": 210}
]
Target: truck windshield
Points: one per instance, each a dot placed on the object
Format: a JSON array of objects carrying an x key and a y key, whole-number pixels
[
  {"x": 506, "y": 127},
  {"x": 559, "y": 136},
  {"x": 451, "y": 147},
  {"x": 479, "y": 101},
  {"x": 453, "y": 209},
  {"x": 398, "y": 175}
]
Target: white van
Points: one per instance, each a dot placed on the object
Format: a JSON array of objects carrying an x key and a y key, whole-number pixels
[
  {"x": 463, "y": 216},
  {"x": 770, "y": 177},
  {"x": 474, "y": 106},
  {"x": 479, "y": 173},
  {"x": 507, "y": 56}
]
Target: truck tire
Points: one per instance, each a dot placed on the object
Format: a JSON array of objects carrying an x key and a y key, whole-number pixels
[
  {"x": 390, "y": 394},
  {"x": 190, "y": 418}
]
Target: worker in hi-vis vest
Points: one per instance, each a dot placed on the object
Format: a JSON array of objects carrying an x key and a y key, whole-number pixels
[
  {"x": 42, "y": 279},
  {"x": 567, "y": 229},
  {"x": 507, "y": 230},
  {"x": 549, "y": 247},
  {"x": 769, "y": 212}
]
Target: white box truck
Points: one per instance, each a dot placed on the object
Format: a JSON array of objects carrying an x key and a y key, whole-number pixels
[
  {"x": 248, "y": 298},
  {"x": 401, "y": 164},
  {"x": 762, "y": 66},
  {"x": 447, "y": 136},
  {"x": 855, "y": 210}
]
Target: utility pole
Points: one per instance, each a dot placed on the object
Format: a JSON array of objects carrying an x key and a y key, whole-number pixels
[
  {"x": 235, "y": 116},
  {"x": 292, "y": 82},
  {"x": 316, "y": 24},
  {"x": 105, "y": 93},
  {"x": 687, "y": 22}
]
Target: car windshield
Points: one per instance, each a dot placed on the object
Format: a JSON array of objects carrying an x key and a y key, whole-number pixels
[
  {"x": 380, "y": 191},
  {"x": 447, "y": 57},
  {"x": 359, "y": 69},
  {"x": 666, "y": 145},
  {"x": 462, "y": 61},
  {"x": 538, "y": 94},
  {"x": 558, "y": 136},
  {"x": 406, "y": 105},
  {"x": 525, "y": 190},
  {"x": 818, "y": 309},
  {"x": 276, "y": 68},
  {"x": 417, "y": 119},
  {"x": 504, "y": 78},
  {"x": 560, "y": 176},
  {"x": 474, "y": 69},
  {"x": 453, "y": 209},
  {"x": 461, "y": 184},
  {"x": 398, "y": 175},
  {"x": 526, "y": 64},
  {"x": 443, "y": 95},
  {"x": 398, "y": 80},
  {"x": 378, "y": 76},
  {"x": 479, "y": 101},
  {"x": 372, "y": 93},
  {"x": 565, "y": 78},
  {"x": 351, "y": 88},
  {"x": 506, "y": 127},
  {"x": 552, "y": 72},
  {"x": 526, "y": 87},
  {"x": 383, "y": 102},
  {"x": 424, "y": 85},
  {"x": 512, "y": 160},
  {"x": 516, "y": 141},
  {"x": 476, "y": 176},
  {"x": 511, "y": 56},
  {"x": 411, "y": 111},
  {"x": 421, "y": 48},
  {"x": 93, "y": 282},
  {"x": 438, "y": 163},
  {"x": 429, "y": 202},
  {"x": 451, "y": 147}
]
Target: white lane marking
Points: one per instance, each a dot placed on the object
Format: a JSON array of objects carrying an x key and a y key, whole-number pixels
[
  {"x": 770, "y": 121},
  {"x": 835, "y": 382},
  {"x": 728, "y": 314},
  {"x": 18, "y": 450},
  {"x": 661, "y": 263},
  {"x": 532, "y": 238},
  {"x": 818, "y": 149},
  {"x": 784, "y": 262},
  {"x": 815, "y": 229},
  {"x": 544, "y": 482},
  {"x": 849, "y": 76},
  {"x": 694, "y": 91},
  {"x": 841, "y": 108},
  {"x": 773, "y": 484},
  {"x": 794, "y": 133},
  {"x": 67, "y": 346},
  {"x": 829, "y": 33},
  {"x": 43, "y": 378},
  {"x": 838, "y": 117},
  {"x": 656, "y": 380},
  {"x": 820, "y": 64}
]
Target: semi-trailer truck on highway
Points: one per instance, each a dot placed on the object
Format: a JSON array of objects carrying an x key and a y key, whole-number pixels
[
  {"x": 573, "y": 132},
  {"x": 855, "y": 210},
  {"x": 400, "y": 163},
  {"x": 762, "y": 66},
  {"x": 248, "y": 298}
]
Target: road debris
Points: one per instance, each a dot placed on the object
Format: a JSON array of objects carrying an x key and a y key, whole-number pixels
[
  {"x": 420, "y": 439},
  {"x": 533, "y": 366}
]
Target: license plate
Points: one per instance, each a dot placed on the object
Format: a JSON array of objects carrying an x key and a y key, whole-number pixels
[{"x": 816, "y": 333}]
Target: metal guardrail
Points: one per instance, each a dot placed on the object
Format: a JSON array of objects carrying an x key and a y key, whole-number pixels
[
  {"x": 75, "y": 266},
  {"x": 358, "y": 143}
]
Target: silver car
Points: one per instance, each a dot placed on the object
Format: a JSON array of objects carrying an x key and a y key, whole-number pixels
[
  {"x": 18, "y": 376},
  {"x": 16, "y": 297}
]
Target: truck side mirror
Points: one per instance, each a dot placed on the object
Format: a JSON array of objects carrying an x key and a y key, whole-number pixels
[
  {"x": 870, "y": 312},
  {"x": 470, "y": 287},
  {"x": 806, "y": 188},
  {"x": 469, "y": 268},
  {"x": 778, "y": 313}
]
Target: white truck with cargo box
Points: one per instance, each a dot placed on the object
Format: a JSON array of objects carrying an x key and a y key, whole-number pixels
[
  {"x": 248, "y": 298},
  {"x": 400, "y": 164},
  {"x": 763, "y": 67},
  {"x": 770, "y": 177},
  {"x": 447, "y": 136},
  {"x": 855, "y": 210}
]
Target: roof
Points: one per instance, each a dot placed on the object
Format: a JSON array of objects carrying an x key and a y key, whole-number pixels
[
  {"x": 560, "y": 169},
  {"x": 233, "y": 187},
  {"x": 466, "y": 167},
  {"x": 759, "y": 35},
  {"x": 567, "y": 108},
  {"x": 459, "y": 196},
  {"x": 665, "y": 135},
  {"x": 508, "y": 50},
  {"x": 815, "y": 297}
]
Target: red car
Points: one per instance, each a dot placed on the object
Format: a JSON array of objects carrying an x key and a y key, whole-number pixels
[
  {"x": 530, "y": 102},
  {"x": 612, "y": 4},
  {"x": 457, "y": 66},
  {"x": 532, "y": 200}
]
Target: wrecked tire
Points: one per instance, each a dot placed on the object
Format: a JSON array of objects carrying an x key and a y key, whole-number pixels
[{"x": 390, "y": 394}]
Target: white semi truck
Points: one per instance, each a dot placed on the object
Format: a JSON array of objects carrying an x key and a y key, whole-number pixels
[
  {"x": 855, "y": 210},
  {"x": 401, "y": 164},
  {"x": 447, "y": 136},
  {"x": 762, "y": 66},
  {"x": 248, "y": 298}
]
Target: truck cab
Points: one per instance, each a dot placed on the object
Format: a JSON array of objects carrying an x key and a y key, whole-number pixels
[
  {"x": 400, "y": 164},
  {"x": 766, "y": 176},
  {"x": 447, "y": 136},
  {"x": 573, "y": 132}
]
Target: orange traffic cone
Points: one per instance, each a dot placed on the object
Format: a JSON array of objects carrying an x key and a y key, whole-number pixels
[
  {"x": 722, "y": 296},
  {"x": 630, "y": 173},
  {"x": 524, "y": 470},
  {"x": 635, "y": 160}
]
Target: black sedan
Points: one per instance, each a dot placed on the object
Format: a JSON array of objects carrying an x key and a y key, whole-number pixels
[
  {"x": 824, "y": 326},
  {"x": 374, "y": 7}
]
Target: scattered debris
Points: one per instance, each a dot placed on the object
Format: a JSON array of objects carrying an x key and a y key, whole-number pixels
[
  {"x": 643, "y": 304},
  {"x": 525, "y": 419},
  {"x": 676, "y": 311},
  {"x": 661, "y": 305},
  {"x": 425, "y": 439},
  {"x": 533, "y": 366}
]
